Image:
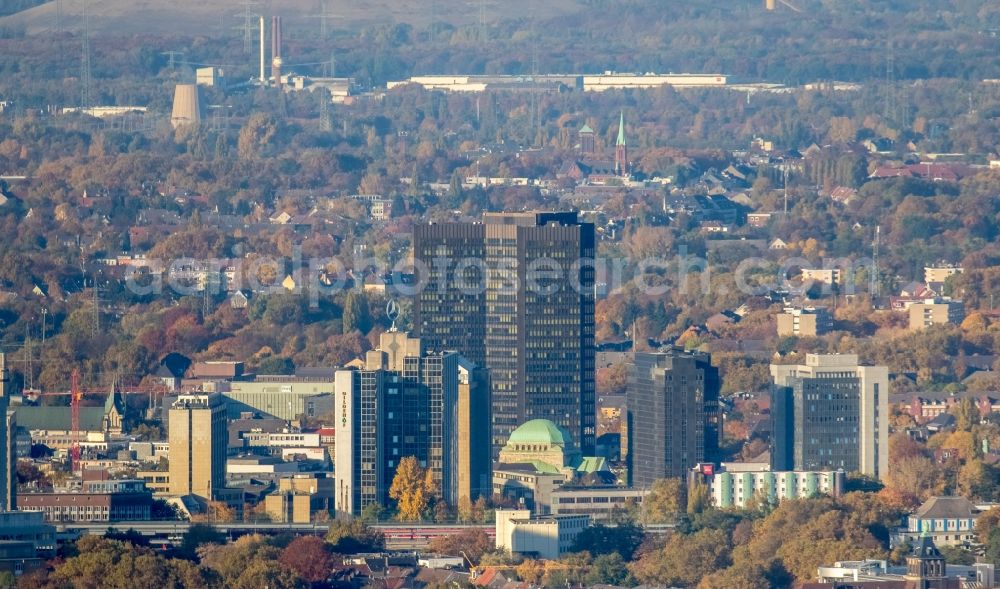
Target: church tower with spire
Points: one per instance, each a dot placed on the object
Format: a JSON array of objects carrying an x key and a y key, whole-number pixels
[{"x": 621, "y": 151}]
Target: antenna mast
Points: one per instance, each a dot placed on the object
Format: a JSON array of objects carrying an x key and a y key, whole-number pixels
[
  {"x": 890, "y": 82},
  {"x": 85, "y": 80},
  {"x": 96, "y": 326},
  {"x": 247, "y": 27},
  {"x": 784, "y": 186},
  {"x": 874, "y": 287},
  {"x": 482, "y": 22}
]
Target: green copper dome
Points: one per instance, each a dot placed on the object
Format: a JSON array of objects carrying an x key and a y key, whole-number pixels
[{"x": 542, "y": 432}]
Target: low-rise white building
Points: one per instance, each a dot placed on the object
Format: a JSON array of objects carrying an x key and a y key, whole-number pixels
[
  {"x": 545, "y": 536},
  {"x": 736, "y": 489}
]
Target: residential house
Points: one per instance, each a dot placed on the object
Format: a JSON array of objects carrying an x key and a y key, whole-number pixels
[
  {"x": 948, "y": 521},
  {"x": 843, "y": 195},
  {"x": 240, "y": 299}
]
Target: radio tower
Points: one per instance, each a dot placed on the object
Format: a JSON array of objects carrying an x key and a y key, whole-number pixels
[
  {"x": 325, "y": 120},
  {"x": 96, "y": 326},
  {"x": 247, "y": 27},
  {"x": 322, "y": 19},
  {"x": 535, "y": 122},
  {"x": 890, "y": 81},
  {"x": 482, "y": 22},
  {"x": 85, "y": 96},
  {"x": 59, "y": 24}
]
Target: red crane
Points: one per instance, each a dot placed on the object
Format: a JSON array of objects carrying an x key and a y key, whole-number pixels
[{"x": 75, "y": 396}]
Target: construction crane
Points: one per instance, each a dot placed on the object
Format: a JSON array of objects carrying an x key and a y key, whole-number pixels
[
  {"x": 74, "y": 405},
  {"x": 75, "y": 396}
]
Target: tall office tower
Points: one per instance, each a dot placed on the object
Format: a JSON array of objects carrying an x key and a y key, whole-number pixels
[
  {"x": 408, "y": 401},
  {"x": 198, "y": 442},
  {"x": 672, "y": 400},
  {"x": 512, "y": 294},
  {"x": 830, "y": 413},
  {"x": 8, "y": 453}
]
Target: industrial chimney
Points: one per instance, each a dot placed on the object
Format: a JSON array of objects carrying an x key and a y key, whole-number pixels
[
  {"x": 276, "y": 50},
  {"x": 187, "y": 109},
  {"x": 263, "y": 74}
]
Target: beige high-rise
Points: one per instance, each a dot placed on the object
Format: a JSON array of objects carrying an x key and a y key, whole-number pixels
[{"x": 198, "y": 441}]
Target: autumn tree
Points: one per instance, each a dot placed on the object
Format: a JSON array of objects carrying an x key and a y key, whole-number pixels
[
  {"x": 356, "y": 315},
  {"x": 916, "y": 475},
  {"x": 412, "y": 488},
  {"x": 608, "y": 569},
  {"x": 623, "y": 539},
  {"x": 699, "y": 498},
  {"x": 215, "y": 512},
  {"x": 986, "y": 523},
  {"x": 374, "y": 513},
  {"x": 250, "y": 562},
  {"x": 802, "y": 534},
  {"x": 196, "y": 536},
  {"x": 612, "y": 379},
  {"x": 684, "y": 559},
  {"x": 471, "y": 543},
  {"x": 309, "y": 557},
  {"x": 111, "y": 563},
  {"x": 966, "y": 414},
  {"x": 352, "y": 535},
  {"x": 743, "y": 576},
  {"x": 256, "y": 135},
  {"x": 666, "y": 498},
  {"x": 530, "y": 571}
]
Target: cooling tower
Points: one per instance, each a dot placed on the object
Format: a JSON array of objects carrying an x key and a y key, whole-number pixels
[{"x": 187, "y": 109}]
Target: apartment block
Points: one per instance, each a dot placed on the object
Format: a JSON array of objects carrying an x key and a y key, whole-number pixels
[
  {"x": 936, "y": 312},
  {"x": 804, "y": 321}
]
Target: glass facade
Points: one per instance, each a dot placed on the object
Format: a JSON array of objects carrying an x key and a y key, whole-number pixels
[
  {"x": 530, "y": 322},
  {"x": 672, "y": 399}
]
